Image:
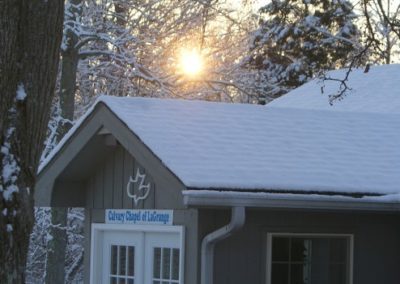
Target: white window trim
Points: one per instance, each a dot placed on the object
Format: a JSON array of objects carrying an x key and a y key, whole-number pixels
[
  {"x": 269, "y": 249},
  {"x": 97, "y": 238}
]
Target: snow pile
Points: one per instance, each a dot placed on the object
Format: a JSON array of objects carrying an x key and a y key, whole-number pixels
[{"x": 292, "y": 145}]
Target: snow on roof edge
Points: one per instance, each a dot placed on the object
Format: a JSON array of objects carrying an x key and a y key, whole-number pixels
[{"x": 67, "y": 136}]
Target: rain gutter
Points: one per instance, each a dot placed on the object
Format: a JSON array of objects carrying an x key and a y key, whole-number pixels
[
  {"x": 207, "y": 246},
  {"x": 208, "y": 198}
]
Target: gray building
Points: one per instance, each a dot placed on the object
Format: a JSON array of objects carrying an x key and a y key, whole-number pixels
[{"x": 196, "y": 192}]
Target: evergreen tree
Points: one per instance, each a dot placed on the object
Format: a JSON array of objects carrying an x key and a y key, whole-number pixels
[{"x": 297, "y": 39}]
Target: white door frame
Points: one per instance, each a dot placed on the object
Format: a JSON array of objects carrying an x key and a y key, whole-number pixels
[{"x": 97, "y": 237}]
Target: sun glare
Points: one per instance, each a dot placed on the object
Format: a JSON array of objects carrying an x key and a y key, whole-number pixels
[{"x": 191, "y": 62}]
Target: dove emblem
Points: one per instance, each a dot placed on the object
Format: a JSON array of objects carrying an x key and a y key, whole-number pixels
[{"x": 143, "y": 188}]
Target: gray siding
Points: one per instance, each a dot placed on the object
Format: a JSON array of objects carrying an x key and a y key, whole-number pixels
[
  {"x": 92, "y": 170},
  {"x": 242, "y": 257},
  {"x": 106, "y": 188}
]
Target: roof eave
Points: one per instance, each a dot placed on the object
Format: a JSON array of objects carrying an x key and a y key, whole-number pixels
[{"x": 283, "y": 201}]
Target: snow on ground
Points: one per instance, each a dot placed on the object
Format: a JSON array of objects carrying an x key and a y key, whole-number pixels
[{"x": 294, "y": 144}]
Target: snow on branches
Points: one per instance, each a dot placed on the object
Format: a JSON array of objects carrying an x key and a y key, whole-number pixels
[{"x": 298, "y": 39}]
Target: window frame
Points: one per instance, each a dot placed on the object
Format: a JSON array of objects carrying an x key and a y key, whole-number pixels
[{"x": 350, "y": 238}]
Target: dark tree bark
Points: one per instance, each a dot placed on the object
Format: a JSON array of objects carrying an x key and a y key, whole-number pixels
[
  {"x": 30, "y": 37},
  {"x": 55, "y": 269}
]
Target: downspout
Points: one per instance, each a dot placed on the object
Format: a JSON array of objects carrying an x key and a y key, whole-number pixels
[{"x": 207, "y": 246}]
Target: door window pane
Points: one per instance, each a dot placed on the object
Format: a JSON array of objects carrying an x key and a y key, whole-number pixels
[
  {"x": 166, "y": 263},
  {"x": 114, "y": 257},
  {"x": 157, "y": 263},
  {"x": 131, "y": 260},
  {"x": 122, "y": 260},
  {"x": 165, "y": 266},
  {"x": 175, "y": 264},
  {"x": 122, "y": 264}
]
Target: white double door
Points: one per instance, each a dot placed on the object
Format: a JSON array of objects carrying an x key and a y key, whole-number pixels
[{"x": 138, "y": 257}]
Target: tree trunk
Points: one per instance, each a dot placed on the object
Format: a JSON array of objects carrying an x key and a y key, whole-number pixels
[
  {"x": 55, "y": 268},
  {"x": 30, "y": 36}
]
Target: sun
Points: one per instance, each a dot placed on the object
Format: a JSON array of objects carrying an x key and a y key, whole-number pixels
[{"x": 191, "y": 62}]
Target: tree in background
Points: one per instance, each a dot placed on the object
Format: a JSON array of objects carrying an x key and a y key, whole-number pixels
[
  {"x": 135, "y": 49},
  {"x": 127, "y": 47},
  {"x": 30, "y": 36},
  {"x": 38, "y": 258},
  {"x": 298, "y": 38},
  {"x": 382, "y": 29},
  {"x": 119, "y": 48}
]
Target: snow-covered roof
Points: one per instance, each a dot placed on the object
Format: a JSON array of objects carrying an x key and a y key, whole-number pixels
[
  {"x": 286, "y": 146},
  {"x": 377, "y": 90}
]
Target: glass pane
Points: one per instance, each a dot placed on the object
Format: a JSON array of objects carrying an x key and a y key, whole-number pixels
[
  {"x": 156, "y": 282},
  {"x": 280, "y": 249},
  {"x": 175, "y": 264},
  {"x": 114, "y": 257},
  {"x": 113, "y": 280},
  {"x": 131, "y": 261},
  {"x": 338, "y": 250},
  {"x": 337, "y": 274},
  {"x": 165, "y": 282},
  {"x": 300, "y": 250},
  {"x": 166, "y": 263},
  {"x": 300, "y": 260},
  {"x": 156, "y": 263},
  {"x": 131, "y": 281},
  {"x": 122, "y": 281},
  {"x": 122, "y": 261},
  {"x": 280, "y": 274},
  {"x": 299, "y": 274}
]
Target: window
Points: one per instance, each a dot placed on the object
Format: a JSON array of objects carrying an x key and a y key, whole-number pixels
[
  {"x": 309, "y": 259},
  {"x": 166, "y": 266},
  {"x": 122, "y": 265}
]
